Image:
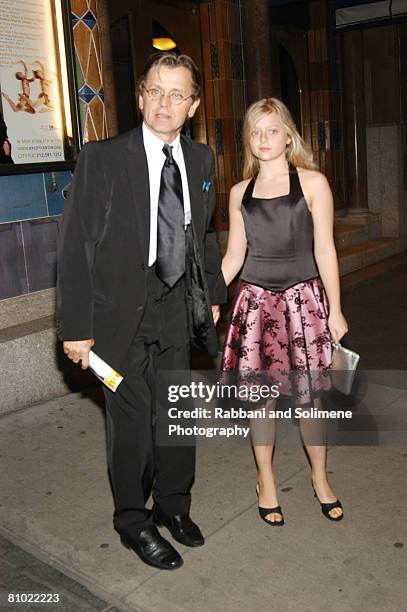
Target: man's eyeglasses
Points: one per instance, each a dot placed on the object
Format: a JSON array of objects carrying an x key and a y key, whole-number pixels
[{"x": 174, "y": 97}]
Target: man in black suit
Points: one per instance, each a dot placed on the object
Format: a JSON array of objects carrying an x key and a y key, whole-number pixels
[{"x": 139, "y": 269}]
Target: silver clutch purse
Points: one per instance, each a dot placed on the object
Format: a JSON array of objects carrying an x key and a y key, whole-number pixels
[{"x": 344, "y": 364}]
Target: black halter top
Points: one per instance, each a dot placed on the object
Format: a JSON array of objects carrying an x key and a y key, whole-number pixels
[{"x": 279, "y": 234}]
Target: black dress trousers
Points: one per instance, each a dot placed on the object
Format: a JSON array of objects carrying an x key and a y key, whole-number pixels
[{"x": 137, "y": 464}]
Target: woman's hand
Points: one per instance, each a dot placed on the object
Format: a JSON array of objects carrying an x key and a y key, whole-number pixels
[
  {"x": 337, "y": 326},
  {"x": 215, "y": 313}
]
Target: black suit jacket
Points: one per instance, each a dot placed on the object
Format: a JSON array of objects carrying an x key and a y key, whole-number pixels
[{"x": 104, "y": 243}]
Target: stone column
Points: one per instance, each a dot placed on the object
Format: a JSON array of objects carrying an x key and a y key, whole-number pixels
[
  {"x": 107, "y": 66},
  {"x": 89, "y": 69},
  {"x": 257, "y": 49},
  {"x": 355, "y": 122},
  {"x": 224, "y": 97}
]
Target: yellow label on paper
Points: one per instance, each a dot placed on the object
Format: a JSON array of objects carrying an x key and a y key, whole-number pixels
[
  {"x": 104, "y": 372},
  {"x": 113, "y": 380}
]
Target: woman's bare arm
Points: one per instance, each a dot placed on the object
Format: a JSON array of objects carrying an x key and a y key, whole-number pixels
[
  {"x": 322, "y": 210},
  {"x": 237, "y": 242}
]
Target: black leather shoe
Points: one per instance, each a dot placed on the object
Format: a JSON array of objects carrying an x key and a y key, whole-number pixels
[
  {"x": 153, "y": 549},
  {"x": 182, "y": 527}
]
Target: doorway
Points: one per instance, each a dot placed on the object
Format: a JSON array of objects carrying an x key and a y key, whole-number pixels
[
  {"x": 289, "y": 25},
  {"x": 138, "y": 28}
]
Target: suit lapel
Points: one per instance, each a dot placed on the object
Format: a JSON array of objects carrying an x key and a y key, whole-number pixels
[
  {"x": 137, "y": 171},
  {"x": 194, "y": 175}
]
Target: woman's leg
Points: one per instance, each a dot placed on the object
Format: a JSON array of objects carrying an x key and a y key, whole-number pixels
[
  {"x": 262, "y": 433},
  {"x": 314, "y": 438}
]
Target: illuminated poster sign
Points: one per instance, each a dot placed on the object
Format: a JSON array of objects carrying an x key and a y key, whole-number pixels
[{"x": 36, "y": 119}]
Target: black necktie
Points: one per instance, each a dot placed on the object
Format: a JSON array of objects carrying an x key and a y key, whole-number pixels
[{"x": 170, "y": 264}]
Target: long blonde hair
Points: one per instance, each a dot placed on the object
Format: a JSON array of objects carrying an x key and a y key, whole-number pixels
[{"x": 298, "y": 152}]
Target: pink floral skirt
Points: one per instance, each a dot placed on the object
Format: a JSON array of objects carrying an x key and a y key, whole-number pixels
[{"x": 280, "y": 336}]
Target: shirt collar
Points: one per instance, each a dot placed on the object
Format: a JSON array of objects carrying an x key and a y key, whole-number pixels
[{"x": 154, "y": 143}]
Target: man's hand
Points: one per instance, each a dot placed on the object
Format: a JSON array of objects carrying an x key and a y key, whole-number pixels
[
  {"x": 215, "y": 313},
  {"x": 78, "y": 350},
  {"x": 6, "y": 148}
]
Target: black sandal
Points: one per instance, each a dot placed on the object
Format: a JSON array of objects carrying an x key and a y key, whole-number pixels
[
  {"x": 327, "y": 507},
  {"x": 265, "y": 511}
]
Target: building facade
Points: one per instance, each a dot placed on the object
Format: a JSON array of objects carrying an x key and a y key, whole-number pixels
[{"x": 341, "y": 69}]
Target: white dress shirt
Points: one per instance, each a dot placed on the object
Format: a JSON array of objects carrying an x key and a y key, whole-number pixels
[{"x": 155, "y": 159}]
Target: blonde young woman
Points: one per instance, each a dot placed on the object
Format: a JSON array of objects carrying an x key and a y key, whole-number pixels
[{"x": 287, "y": 310}]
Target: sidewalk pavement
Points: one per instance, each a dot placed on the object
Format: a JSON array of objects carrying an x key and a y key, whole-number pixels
[
  {"x": 56, "y": 504},
  {"x": 22, "y": 572},
  {"x": 56, "y": 508}
]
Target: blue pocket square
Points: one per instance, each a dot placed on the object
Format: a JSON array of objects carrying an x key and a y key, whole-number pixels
[{"x": 206, "y": 185}]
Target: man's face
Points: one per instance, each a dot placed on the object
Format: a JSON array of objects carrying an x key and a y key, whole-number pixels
[{"x": 164, "y": 118}]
